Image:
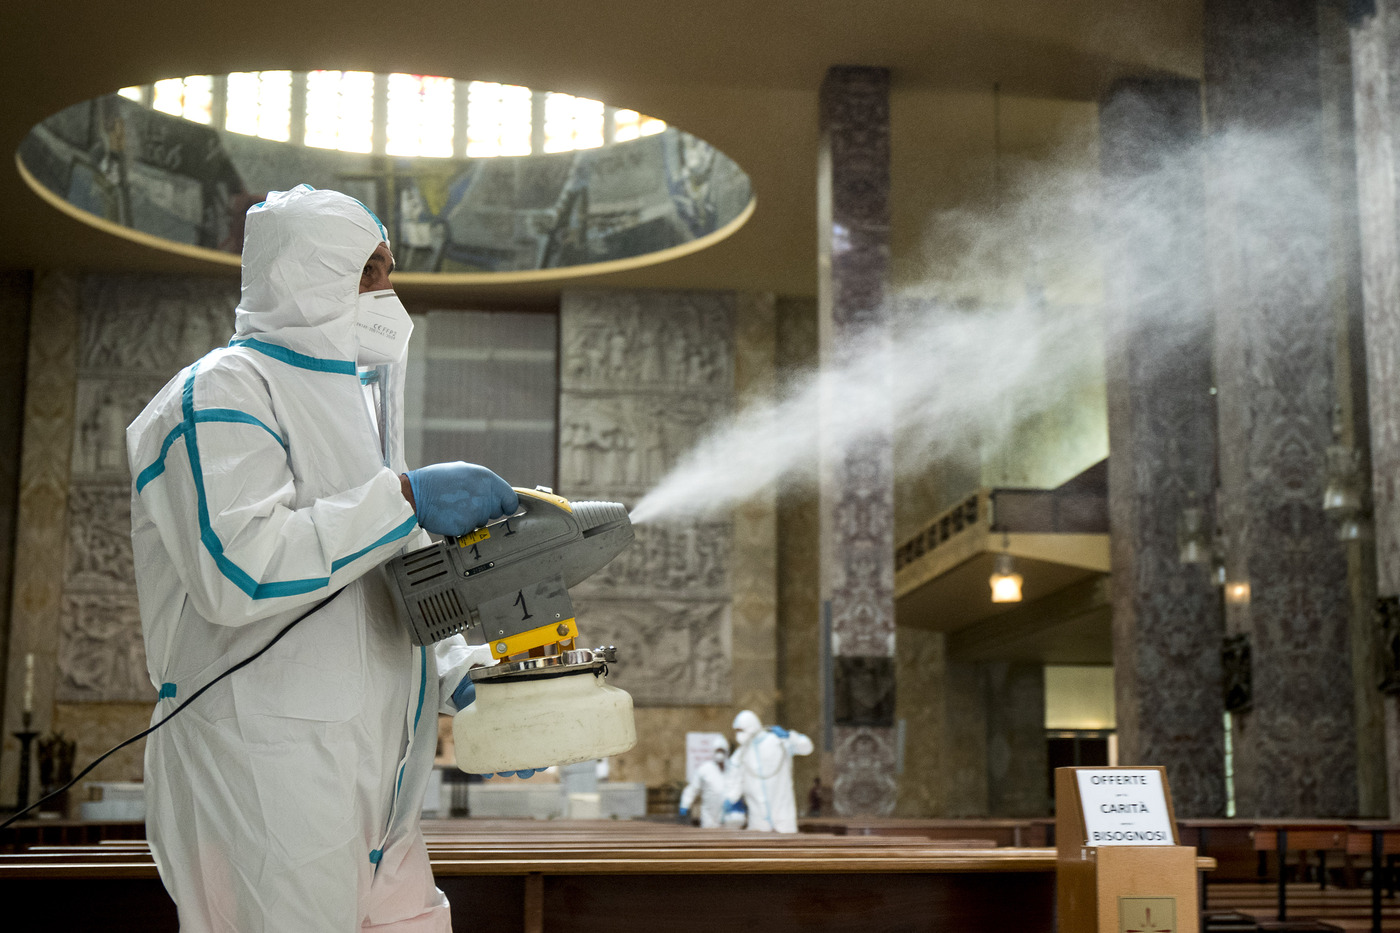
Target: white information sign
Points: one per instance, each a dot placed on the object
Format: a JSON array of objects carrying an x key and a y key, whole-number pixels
[
  {"x": 1124, "y": 807},
  {"x": 700, "y": 748}
]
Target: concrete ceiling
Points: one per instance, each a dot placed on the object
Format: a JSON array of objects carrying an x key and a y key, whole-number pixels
[{"x": 740, "y": 74}]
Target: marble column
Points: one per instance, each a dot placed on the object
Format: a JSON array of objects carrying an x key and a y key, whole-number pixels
[
  {"x": 857, "y": 481},
  {"x": 1280, "y": 279},
  {"x": 1375, "y": 44},
  {"x": 799, "y": 575},
  {"x": 1016, "y": 747},
  {"x": 1167, "y": 617}
]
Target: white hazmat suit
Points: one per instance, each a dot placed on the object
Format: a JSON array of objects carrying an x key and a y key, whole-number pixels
[
  {"x": 760, "y": 772},
  {"x": 288, "y": 796},
  {"x": 708, "y": 785}
]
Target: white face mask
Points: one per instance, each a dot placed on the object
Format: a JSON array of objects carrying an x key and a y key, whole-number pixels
[{"x": 383, "y": 327}]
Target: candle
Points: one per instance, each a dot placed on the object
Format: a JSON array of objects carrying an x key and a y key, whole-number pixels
[{"x": 29, "y": 683}]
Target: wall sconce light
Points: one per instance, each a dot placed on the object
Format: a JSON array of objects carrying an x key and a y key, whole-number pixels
[
  {"x": 1342, "y": 494},
  {"x": 1351, "y": 528},
  {"x": 1343, "y": 497},
  {"x": 1343, "y": 491},
  {"x": 1237, "y": 593},
  {"x": 1193, "y": 544},
  {"x": 1217, "y": 558},
  {"x": 1005, "y": 581}
]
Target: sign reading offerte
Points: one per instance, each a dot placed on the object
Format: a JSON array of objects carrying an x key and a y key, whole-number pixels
[{"x": 1124, "y": 807}]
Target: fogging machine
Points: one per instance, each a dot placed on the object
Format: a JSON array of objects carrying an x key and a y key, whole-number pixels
[{"x": 547, "y": 700}]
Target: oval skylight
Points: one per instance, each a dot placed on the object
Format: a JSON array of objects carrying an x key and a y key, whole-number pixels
[{"x": 474, "y": 180}]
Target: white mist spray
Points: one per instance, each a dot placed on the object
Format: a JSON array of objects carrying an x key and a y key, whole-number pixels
[{"x": 949, "y": 373}]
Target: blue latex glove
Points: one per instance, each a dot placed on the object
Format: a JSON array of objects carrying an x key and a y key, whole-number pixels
[
  {"x": 455, "y": 498},
  {"x": 465, "y": 694},
  {"x": 735, "y": 806},
  {"x": 529, "y": 772},
  {"x": 685, "y": 811},
  {"x": 779, "y": 731}
]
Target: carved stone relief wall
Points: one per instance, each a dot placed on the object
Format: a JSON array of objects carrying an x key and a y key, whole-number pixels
[
  {"x": 16, "y": 296},
  {"x": 106, "y": 345},
  {"x": 1295, "y": 751},
  {"x": 135, "y": 333},
  {"x": 37, "y": 605},
  {"x": 858, "y": 482},
  {"x": 1167, "y": 618},
  {"x": 644, "y": 375}
]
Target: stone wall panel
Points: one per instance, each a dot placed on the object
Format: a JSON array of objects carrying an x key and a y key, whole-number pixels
[
  {"x": 644, "y": 377},
  {"x": 670, "y": 652}
]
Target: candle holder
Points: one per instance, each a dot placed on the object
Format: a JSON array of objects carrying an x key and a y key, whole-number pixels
[{"x": 26, "y": 738}]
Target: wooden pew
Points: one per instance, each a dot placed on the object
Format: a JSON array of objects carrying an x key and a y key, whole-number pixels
[
  {"x": 25, "y": 833},
  {"x": 1031, "y": 833},
  {"x": 626, "y": 878},
  {"x": 1381, "y": 841},
  {"x": 1284, "y": 836}
]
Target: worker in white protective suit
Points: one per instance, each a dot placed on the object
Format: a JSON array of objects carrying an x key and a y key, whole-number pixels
[
  {"x": 708, "y": 785},
  {"x": 268, "y": 476},
  {"x": 760, "y": 773}
]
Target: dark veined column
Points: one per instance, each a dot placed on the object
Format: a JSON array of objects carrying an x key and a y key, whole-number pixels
[
  {"x": 857, "y": 474},
  {"x": 1281, "y": 280},
  {"x": 1167, "y": 618},
  {"x": 1375, "y": 46}
]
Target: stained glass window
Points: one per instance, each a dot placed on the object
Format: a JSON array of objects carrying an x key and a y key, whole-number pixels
[
  {"x": 498, "y": 119},
  {"x": 191, "y": 97},
  {"x": 420, "y": 116},
  {"x": 259, "y": 103},
  {"x": 340, "y": 110},
  {"x": 572, "y": 123},
  {"x": 629, "y": 124}
]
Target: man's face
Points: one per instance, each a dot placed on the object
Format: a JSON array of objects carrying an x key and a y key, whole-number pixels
[{"x": 375, "y": 277}]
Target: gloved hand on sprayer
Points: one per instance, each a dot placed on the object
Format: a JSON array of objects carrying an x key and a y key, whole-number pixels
[{"x": 455, "y": 498}]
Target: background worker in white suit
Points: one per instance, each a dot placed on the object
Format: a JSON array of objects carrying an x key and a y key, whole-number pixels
[
  {"x": 760, "y": 773},
  {"x": 708, "y": 785}
]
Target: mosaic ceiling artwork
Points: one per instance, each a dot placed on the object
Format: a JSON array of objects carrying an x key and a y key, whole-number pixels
[{"x": 470, "y": 178}]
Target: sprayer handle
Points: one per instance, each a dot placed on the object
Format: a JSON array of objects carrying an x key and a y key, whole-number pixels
[{"x": 528, "y": 497}]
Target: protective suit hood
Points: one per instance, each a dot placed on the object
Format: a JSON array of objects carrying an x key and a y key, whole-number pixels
[
  {"x": 303, "y": 252},
  {"x": 746, "y": 726}
]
